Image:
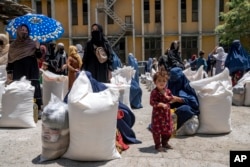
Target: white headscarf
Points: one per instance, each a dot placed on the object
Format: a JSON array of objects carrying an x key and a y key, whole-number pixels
[{"x": 221, "y": 54}]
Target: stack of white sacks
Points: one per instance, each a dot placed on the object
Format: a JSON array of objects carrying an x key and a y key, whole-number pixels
[
  {"x": 121, "y": 80},
  {"x": 89, "y": 119},
  {"x": 147, "y": 79}
]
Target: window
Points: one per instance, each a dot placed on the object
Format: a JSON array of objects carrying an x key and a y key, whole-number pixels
[
  {"x": 189, "y": 46},
  {"x": 85, "y": 12},
  {"x": 146, "y": 11},
  {"x": 195, "y": 12},
  {"x": 152, "y": 47},
  {"x": 48, "y": 8},
  {"x": 110, "y": 20},
  {"x": 128, "y": 21},
  {"x": 183, "y": 11},
  {"x": 74, "y": 12},
  {"x": 221, "y": 9},
  {"x": 157, "y": 11},
  {"x": 38, "y": 7}
]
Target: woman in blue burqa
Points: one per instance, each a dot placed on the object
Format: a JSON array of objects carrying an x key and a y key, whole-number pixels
[
  {"x": 135, "y": 90},
  {"x": 188, "y": 104},
  {"x": 237, "y": 61}
]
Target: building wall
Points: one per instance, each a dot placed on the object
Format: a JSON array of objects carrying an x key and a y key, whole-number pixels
[{"x": 171, "y": 30}]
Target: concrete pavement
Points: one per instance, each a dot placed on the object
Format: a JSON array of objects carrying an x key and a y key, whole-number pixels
[{"x": 22, "y": 147}]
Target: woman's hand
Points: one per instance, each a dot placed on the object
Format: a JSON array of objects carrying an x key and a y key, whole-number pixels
[
  {"x": 176, "y": 99},
  {"x": 162, "y": 105}
]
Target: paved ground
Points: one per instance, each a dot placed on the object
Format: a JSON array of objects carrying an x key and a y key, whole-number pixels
[{"x": 22, "y": 147}]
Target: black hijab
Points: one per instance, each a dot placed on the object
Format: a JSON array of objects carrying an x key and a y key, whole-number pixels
[{"x": 97, "y": 35}]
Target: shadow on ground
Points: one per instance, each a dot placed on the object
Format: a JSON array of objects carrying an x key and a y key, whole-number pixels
[
  {"x": 67, "y": 162},
  {"x": 150, "y": 149}
]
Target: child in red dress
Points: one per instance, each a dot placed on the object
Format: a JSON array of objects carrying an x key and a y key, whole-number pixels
[{"x": 161, "y": 123}]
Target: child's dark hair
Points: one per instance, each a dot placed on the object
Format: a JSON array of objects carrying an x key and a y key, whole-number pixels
[{"x": 162, "y": 73}]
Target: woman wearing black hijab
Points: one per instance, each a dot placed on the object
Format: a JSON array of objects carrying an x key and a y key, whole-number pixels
[{"x": 99, "y": 71}]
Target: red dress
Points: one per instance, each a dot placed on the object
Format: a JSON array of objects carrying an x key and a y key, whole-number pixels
[{"x": 161, "y": 122}]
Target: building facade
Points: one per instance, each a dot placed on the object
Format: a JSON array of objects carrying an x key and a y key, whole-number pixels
[{"x": 145, "y": 28}]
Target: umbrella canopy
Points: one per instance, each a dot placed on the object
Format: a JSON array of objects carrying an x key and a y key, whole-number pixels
[{"x": 41, "y": 27}]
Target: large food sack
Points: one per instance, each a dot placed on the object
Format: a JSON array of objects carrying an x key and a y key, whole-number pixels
[
  {"x": 3, "y": 72},
  {"x": 3, "y": 77},
  {"x": 238, "y": 95},
  {"x": 247, "y": 94},
  {"x": 92, "y": 122},
  {"x": 244, "y": 83},
  {"x": 17, "y": 105},
  {"x": 55, "y": 129},
  {"x": 2, "y": 86},
  {"x": 53, "y": 83},
  {"x": 215, "y": 99},
  {"x": 124, "y": 90},
  {"x": 194, "y": 75}
]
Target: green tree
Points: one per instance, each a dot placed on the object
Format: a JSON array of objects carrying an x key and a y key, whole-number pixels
[{"x": 236, "y": 22}]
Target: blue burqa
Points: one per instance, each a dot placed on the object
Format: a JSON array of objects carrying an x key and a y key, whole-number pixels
[
  {"x": 135, "y": 94},
  {"x": 179, "y": 86},
  {"x": 126, "y": 123},
  {"x": 116, "y": 61},
  {"x": 237, "y": 59},
  {"x": 149, "y": 64}
]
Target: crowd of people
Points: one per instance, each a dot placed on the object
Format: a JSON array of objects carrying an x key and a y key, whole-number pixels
[{"x": 24, "y": 57}]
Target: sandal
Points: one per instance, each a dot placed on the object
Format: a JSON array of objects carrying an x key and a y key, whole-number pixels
[
  {"x": 161, "y": 149},
  {"x": 168, "y": 146}
]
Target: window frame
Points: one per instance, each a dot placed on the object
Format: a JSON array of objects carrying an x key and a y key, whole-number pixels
[{"x": 195, "y": 10}]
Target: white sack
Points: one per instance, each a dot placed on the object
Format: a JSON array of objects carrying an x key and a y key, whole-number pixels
[
  {"x": 238, "y": 95},
  {"x": 3, "y": 77},
  {"x": 215, "y": 99},
  {"x": 247, "y": 94},
  {"x": 55, "y": 129},
  {"x": 53, "y": 83},
  {"x": 92, "y": 123},
  {"x": 17, "y": 105},
  {"x": 124, "y": 92},
  {"x": 123, "y": 75},
  {"x": 3, "y": 72},
  {"x": 2, "y": 86},
  {"x": 194, "y": 75}
]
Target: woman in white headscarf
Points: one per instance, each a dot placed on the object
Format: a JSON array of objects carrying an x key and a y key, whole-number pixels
[
  {"x": 4, "y": 49},
  {"x": 220, "y": 58}
]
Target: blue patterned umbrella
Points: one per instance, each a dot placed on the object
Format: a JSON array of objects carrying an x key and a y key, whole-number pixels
[{"x": 41, "y": 27}]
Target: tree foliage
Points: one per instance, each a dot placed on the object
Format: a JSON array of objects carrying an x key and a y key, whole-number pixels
[{"x": 236, "y": 21}]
